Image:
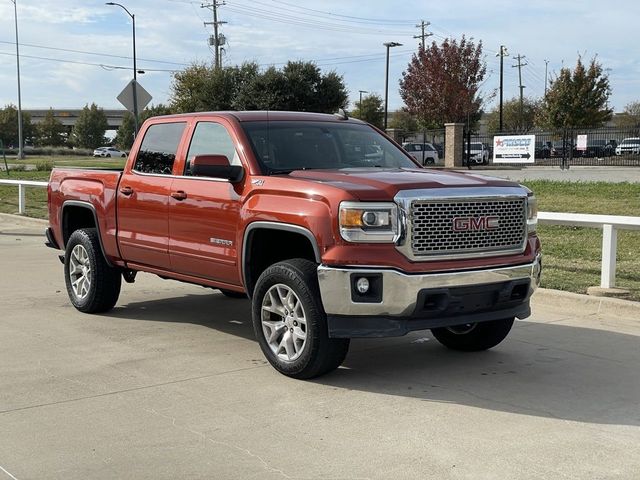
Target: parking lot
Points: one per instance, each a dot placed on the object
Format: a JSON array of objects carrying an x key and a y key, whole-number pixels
[{"x": 171, "y": 384}]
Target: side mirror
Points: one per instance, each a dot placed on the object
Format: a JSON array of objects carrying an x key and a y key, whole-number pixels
[{"x": 216, "y": 166}]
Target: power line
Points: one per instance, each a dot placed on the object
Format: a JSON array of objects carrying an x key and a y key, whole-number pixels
[
  {"x": 101, "y": 65},
  {"x": 84, "y": 52},
  {"x": 378, "y": 20},
  {"x": 293, "y": 20}
]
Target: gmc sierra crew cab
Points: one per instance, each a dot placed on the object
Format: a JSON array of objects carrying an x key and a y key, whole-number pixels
[{"x": 328, "y": 226}]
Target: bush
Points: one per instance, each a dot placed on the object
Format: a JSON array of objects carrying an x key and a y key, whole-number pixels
[
  {"x": 44, "y": 165},
  {"x": 18, "y": 168}
]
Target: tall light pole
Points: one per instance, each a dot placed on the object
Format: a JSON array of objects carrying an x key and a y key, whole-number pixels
[
  {"x": 135, "y": 69},
  {"x": 20, "y": 140},
  {"x": 502, "y": 53},
  {"x": 386, "y": 80}
]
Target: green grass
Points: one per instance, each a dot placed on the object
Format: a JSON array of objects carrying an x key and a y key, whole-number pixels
[
  {"x": 572, "y": 254},
  {"x": 69, "y": 161}
]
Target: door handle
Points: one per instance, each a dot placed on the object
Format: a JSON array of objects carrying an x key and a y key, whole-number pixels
[
  {"x": 126, "y": 191},
  {"x": 179, "y": 195}
]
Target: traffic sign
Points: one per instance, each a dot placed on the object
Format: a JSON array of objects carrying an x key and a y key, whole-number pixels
[{"x": 126, "y": 97}]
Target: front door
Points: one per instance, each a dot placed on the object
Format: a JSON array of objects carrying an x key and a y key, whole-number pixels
[{"x": 204, "y": 212}]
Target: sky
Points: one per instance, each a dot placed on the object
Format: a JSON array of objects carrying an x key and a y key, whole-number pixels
[{"x": 75, "y": 52}]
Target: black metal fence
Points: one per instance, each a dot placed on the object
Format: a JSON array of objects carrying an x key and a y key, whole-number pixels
[{"x": 604, "y": 147}]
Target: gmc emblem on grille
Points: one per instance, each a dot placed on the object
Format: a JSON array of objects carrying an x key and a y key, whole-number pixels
[{"x": 475, "y": 224}]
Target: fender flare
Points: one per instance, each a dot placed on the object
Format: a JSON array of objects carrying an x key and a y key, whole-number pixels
[
  {"x": 267, "y": 225},
  {"x": 92, "y": 209}
]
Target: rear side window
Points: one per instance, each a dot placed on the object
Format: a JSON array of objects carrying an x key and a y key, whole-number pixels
[
  {"x": 159, "y": 147},
  {"x": 211, "y": 139}
]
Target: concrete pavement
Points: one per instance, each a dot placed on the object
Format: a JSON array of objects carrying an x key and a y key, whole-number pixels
[{"x": 171, "y": 384}]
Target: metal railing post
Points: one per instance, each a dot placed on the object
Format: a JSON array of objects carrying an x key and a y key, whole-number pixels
[
  {"x": 609, "y": 248},
  {"x": 21, "y": 199}
]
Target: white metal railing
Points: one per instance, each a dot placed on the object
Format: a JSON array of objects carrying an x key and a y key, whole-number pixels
[
  {"x": 22, "y": 184},
  {"x": 610, "y": 225}
]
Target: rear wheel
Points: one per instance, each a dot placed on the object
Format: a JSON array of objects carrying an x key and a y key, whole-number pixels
[
  {"x": 109, "y": 155},
  {"x": 290, "y": 323},
  {"x": 92, "y": 285},
  {"x": 429, "y": 161},
  {"x": 473, "y": 337}
]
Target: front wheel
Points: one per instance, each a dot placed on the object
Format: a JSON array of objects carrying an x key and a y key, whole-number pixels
[
  {"x": 290, "y": 323},
  {"x": 92, "y": 285},
  {"x": 109, "y": 155},
  {"x": 473, "y": 337}
]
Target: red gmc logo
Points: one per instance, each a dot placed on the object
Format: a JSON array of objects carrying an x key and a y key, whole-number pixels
[{"x": 474, "y": 224}]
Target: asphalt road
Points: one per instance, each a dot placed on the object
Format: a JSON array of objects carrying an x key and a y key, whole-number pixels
[{"x": 171, "y": 384}]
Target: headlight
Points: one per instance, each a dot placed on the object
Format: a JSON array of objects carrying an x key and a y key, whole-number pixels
[
  {"x": 532, "y": 213},
  {"x": 369, "y": 222}
]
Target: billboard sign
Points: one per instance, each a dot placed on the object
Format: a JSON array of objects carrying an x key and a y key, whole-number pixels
[{"x": 514, "y": 148}]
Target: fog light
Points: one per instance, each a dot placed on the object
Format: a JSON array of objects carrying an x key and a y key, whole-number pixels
[{"x": 362, "y": 285}]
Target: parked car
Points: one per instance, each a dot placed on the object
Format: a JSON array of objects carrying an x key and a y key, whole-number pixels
[
  {"x": 598, "y": 149},
  {"x": 561, "y": 149},
  {"x": 479, "y": 153},
  {"x": 629, "y": 146},
  {"x": 543, "y": 149},
  {"x": 108, "y": 152},
  {"x": 279, "y": 209},
  {"x": 425, "y": 153}
]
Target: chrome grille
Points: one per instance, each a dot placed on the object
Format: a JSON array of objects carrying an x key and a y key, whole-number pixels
[{"x": 433, "y": 234}]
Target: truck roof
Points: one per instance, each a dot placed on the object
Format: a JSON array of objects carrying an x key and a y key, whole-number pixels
[{"x": 263, "y": 115}]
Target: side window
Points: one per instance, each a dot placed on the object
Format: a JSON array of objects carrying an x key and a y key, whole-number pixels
[
  {"x": 211, "y": 139},
  {"x": 159, "y": 147}
]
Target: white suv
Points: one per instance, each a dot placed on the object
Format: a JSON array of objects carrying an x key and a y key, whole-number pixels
[
  {"x": 424, "y": 153},
  {"x": 629, "y": 146}
]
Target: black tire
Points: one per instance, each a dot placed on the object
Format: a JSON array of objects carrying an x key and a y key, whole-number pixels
[
  {"x": 232, "y": 293},
  {"x": 320, "y": 354},
  {"x": 109, "y": 155},
  {"x": 124, "y": 155},
  {"x": 474, "y": 337},
  {"x": 429, "y": 161},
  {"x": 105, "y": 281}
]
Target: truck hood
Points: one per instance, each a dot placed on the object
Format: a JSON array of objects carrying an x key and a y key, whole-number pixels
[{"x": 382, "y": 184}]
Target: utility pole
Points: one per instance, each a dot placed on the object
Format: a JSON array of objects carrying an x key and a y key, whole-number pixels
[
  {"x": 423, "y": 25},
  {"x": 360, "y": 104},
  {"x": 20, "y": 140},
  {"x": 218, "y": 39},
  {"x": 502, "y": 53},
  {"x": 522, "y": 87},
  {"x": 546, "y": 65}
]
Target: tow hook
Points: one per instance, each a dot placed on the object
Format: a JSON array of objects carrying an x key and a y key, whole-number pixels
[{"x": 129, "y": 276}]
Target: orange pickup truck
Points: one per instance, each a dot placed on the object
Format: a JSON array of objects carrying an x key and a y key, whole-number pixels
[{"x": 328, "y": 226}]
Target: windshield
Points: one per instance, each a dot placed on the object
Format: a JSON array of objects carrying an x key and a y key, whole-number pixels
[
  {"x": 288, "y": 146},
  {"x": 630, "y": 141}
]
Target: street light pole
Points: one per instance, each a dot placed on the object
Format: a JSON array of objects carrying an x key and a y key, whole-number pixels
[
  {"x": 386, "y": 80},
  {"x": 135, "y": 68},
  {"x": 502, "y": 53},
  {"x": 20, "y": 140}
]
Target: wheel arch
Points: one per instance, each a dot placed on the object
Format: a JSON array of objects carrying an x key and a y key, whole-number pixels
[
  {"x": 85, "y": 217},
  {"x": 305, "y": 246}
]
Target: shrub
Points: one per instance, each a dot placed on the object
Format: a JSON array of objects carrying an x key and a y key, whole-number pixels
[{"x": 44, "y": 165}]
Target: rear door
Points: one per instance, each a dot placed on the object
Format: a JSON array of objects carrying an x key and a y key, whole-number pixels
[
  {"x": 143, "y": 197},
  {"x": 204, "y": 212}
]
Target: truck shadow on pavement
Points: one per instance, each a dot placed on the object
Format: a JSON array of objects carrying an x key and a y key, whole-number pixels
[{"x": 542, "y": 369}]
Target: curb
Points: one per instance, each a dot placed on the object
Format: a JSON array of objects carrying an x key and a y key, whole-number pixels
[
  {"x": 24, "y": 220},
  {"x": 587, "y": 304}
]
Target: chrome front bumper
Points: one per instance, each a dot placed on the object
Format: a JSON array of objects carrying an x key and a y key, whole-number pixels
[{"x": 400, "y": 291}]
